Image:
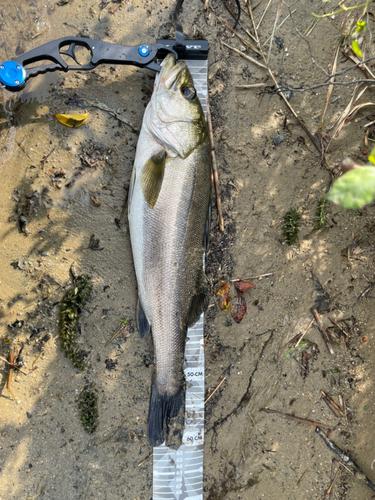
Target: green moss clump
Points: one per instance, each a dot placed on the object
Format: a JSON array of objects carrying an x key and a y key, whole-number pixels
[
  {"x": 88, "y": 406},
  {"x": 292, "y": 221},
  {"x": 71, "y": 306},
  {"x": 320, "y": 219}
]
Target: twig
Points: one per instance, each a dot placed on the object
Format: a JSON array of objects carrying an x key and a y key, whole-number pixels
[
  {"x": 356, "y": 65},
  {"x": 292, "y": 341},
  {"x": 305, "y": 40},
  {"x": 296, "y": 419},
  {"x": 328, "y": 492},
  {"x": 279, "y": 26},
  {"x": 326, "y": 84},
  {"x": 144, "y": 460},
  {"x": 346, "y": 459},
  {"x": 343, "y": 9},
  {"x": 348, "y": 53},
  {"x": 104, "y": 107},
  {"x": 298, "y": 363},
  {"x": 251, "y": 59},
  {"x": 45, "y": 157},
  {"x": 304, "y": 332},
  {"x": 253, "y": 277},
  {"x": 300, "y": 121},
  {"x": 364, "y": 118},
  {"x": 214, "y": 171},
  {"x": 330, "y": 409},
  {"x": 328, "y": 398},
  {"x": 369, "y": 124},
  {"x": 320, "y": 327},
  {"x": 213, "y": 392},
  {"x": 264, "y": 13},
  {"x": 12, "y": 354},
  {"x": 330, "y": 88},
  {"x": 365, "y": 291},
  {"x": 238, "y": 36},
  {"x": 251, "y": 86},
  {"x": 338, "y": 326},
  {"x": 279, "y": 9},
  {"x": 300, "y": 479},
  {"x": 6, "y": 361}
]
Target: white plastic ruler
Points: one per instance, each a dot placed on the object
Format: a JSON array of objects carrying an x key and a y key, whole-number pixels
[{"x": 178, "y": 474}]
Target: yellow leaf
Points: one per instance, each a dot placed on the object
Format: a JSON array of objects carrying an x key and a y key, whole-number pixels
[
  {"x": 371, "y": 158},
  {"x": 73, "y": 120},
  {"x": 356, "y": 48}
]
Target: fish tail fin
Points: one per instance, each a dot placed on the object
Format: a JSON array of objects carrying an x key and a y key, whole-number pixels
[{"x": 163, "y": 407}]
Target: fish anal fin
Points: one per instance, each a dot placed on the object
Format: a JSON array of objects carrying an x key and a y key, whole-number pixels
[
  {"x": 142, "y": 321},
  {"x": 152, "y": 178}
]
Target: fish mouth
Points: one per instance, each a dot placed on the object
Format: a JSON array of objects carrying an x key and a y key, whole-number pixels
[{"x": 171, "y": 71}]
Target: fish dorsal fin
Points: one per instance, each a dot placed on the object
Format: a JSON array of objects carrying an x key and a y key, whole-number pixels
[{"x": 152, "y": 178}]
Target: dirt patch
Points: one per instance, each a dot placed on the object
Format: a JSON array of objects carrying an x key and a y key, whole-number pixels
[{"x": 70, "y": 186}]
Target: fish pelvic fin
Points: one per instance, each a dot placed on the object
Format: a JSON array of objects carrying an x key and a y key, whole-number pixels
[
  {"x": 163, "y": 407},
  {"x": 142, "y": 321}
]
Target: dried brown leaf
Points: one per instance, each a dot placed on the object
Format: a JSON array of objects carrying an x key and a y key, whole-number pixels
[
  {"x": 223, "y": 292},
  {"x": 238, "y": 311},
  {"x": 242, "y": 286}
]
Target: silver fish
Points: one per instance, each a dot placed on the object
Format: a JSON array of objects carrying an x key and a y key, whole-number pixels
[{"x": 169, "y": 211}]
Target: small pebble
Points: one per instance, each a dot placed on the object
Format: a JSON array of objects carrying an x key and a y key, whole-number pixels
[{"x": 278, "y": 139}]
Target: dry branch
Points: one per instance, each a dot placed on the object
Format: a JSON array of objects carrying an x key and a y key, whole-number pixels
[
  {"x": 214, "y": 171},
  {"x": 296, "y": 419},
  {"x": 330, "y": 400},
  {"x": 346, "y": 459},
  {"x": 251, "y": 59}
]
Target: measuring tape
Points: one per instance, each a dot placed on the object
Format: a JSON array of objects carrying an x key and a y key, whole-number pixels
[{"x": 178, "y": 474}]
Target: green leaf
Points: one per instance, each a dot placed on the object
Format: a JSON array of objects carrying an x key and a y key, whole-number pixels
[
  {"x": 291, "y": 352},
  {"x": 365, "y": 408},
  {"x": 354, "y": 189},
  {"x": 356, "y": 48}
]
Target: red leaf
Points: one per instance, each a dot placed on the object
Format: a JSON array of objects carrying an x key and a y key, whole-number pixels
[
  {"x": 242, "y": 286},
  {"x": 238, "y": 310}
]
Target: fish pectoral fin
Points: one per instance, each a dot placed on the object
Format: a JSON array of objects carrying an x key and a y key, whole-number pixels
[
  {"x": 152, "y": 178},
  {"x": 142, "y": 321},
  {"x": 199, "y": 302}
]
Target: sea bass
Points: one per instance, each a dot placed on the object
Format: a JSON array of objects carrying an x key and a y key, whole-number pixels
[{"x": 168, "y": 210}]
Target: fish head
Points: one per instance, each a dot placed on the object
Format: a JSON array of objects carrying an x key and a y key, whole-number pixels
[{"x": 175, "y": 116}]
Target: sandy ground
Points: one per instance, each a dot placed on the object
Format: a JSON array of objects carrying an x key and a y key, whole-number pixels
[{"x": 53, "y": 173}]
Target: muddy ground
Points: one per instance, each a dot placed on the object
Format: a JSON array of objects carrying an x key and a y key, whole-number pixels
[{"x": 71, "y": 183}]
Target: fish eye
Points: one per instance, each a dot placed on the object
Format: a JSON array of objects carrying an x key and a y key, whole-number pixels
[{"x": 188, "y": 92}]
